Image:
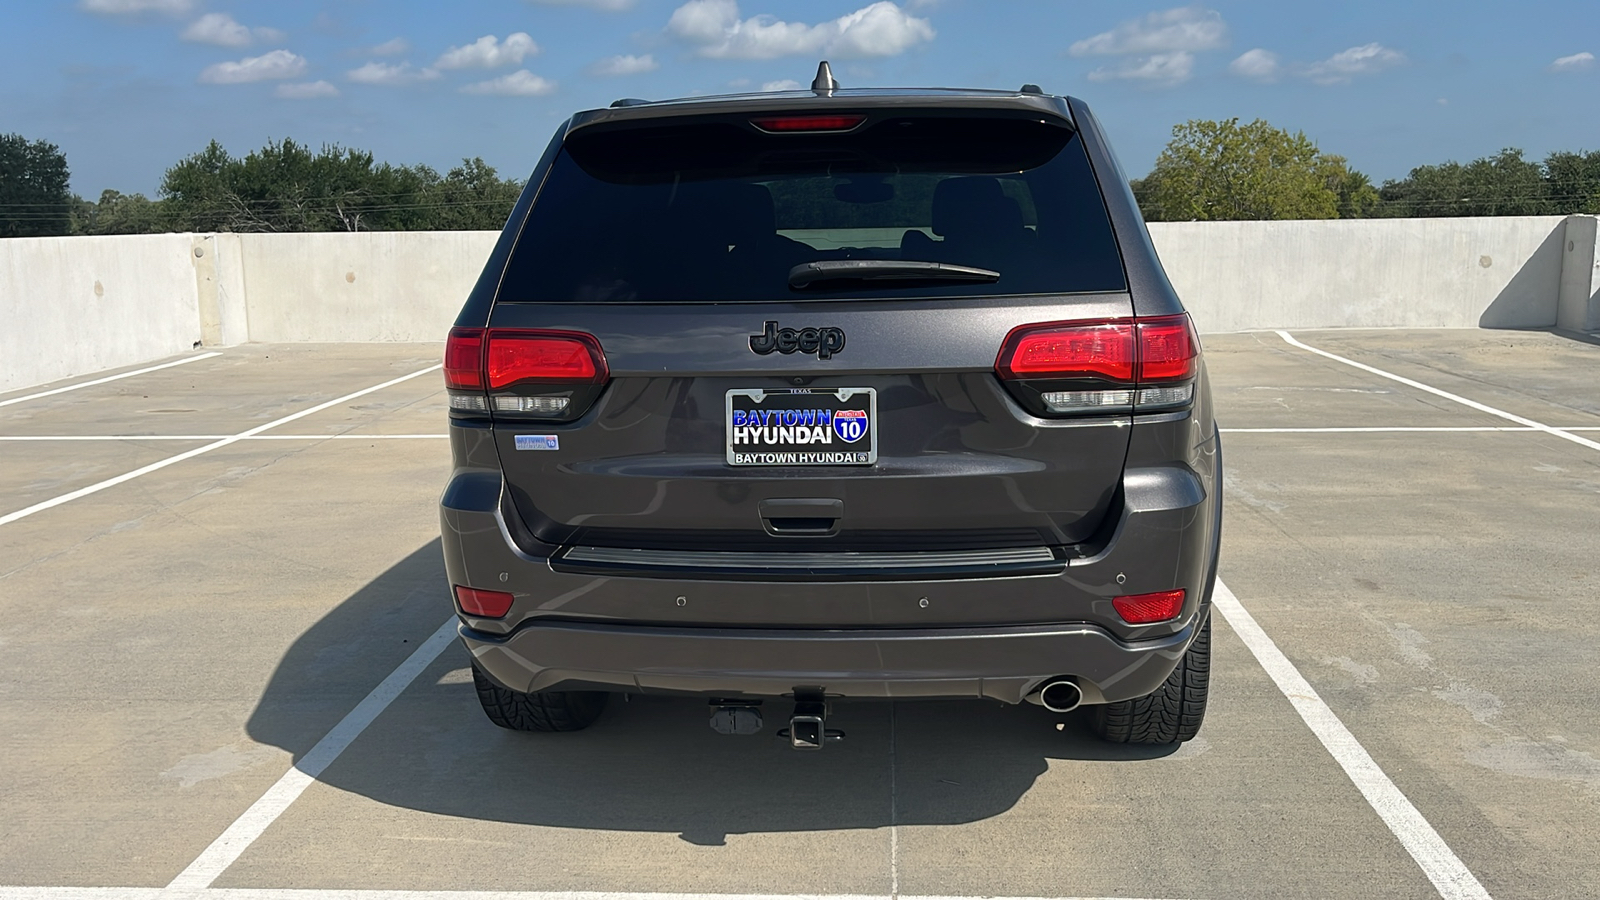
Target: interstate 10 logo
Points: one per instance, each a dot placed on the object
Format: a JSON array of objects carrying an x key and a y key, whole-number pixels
[{"x": 850, "y": 424}]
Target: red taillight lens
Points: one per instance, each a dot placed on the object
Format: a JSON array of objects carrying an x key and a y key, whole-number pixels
[
  {"x": 808, "y": 123},
  {"x": 1166, "y": 349},
  {"x": 487, "y": 604},
  {"x": 463, "y": 359},
  {"x": 1144, "y": 609},
  {"x": 569, "y": 357},
  {"x": 1161, "y": 348},
  {"x": 1097, "y": 350}
]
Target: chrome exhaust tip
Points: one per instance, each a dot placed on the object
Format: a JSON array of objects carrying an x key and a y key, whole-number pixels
[{"x": 1060, "y": 696}]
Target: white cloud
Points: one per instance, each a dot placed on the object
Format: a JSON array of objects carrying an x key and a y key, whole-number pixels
[
  {"x": 1257, "y": 65},
  {"x": 277, "y": 65},
  {"x": 605, "y": 5},
  {"x": 1577, "y": 62},
  {"x": 1185, "y": 29},
  {"x": 787, "y": 84},
  {"x": 308, "y": 90},
  {"x": 221, "y": 29},
  {"x": 128, "y": 7},
  {"x": 521, "y": 83},
  {"x": 393, "y": 47},
  {"x": 625, "y": 65},
  {"x": 488, "y": 52},
  {"x": 1161, "y": 70},
  {"x": 390, "y": 75},
  {"x": 704, "y": 21},
  {"x": 881, "y": 29},
  {"x": 1347, "y": 64}
]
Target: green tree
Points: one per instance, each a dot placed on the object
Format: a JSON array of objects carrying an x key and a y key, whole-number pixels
[
  {"x": 1358, "y": 199},
  {"x": 196, "y": 191},
  {"x": 1501, "y": 185},
  {"x": 1572, "y": 182},
  {"x": 119, "y": 213},
  {"x": 286, "y": 187},
  {"x": 34, "y": 196},
  {"x": 472, "y": 197},
  {"x": 1213, "y": 170}
]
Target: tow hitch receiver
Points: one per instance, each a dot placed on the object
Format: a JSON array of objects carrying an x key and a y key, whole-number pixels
[{"x": 807, "y": 727}]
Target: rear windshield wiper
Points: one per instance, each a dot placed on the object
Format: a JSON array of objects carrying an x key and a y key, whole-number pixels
[{"x": 807, "y": 274}]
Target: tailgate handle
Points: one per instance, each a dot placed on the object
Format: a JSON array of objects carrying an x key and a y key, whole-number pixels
[{"x": 811, "y": 516}]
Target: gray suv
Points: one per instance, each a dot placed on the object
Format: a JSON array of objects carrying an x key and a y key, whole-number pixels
[{"x": 781, "y": 398}]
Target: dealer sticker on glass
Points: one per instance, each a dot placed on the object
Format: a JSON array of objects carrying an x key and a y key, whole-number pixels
[{"x": 802, "y": 427}]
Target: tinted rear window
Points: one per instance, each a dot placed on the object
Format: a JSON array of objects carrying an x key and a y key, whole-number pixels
[{"x": 721, "y": 212}]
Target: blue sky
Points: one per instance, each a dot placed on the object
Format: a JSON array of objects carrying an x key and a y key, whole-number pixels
[{"x": 128, "y": 87}]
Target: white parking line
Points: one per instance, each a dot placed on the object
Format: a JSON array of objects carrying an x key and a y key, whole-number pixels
[
  {"x": 1380, "y": 429},
  {"x": 72, "y": 387},
  {"x": 1512, "y": 417},
  {"x": 348, "y": 436},
  {"x": 102, "y": 893},
  {"x": 1450, "y": 876},
  {"x": 190, "y": 454},
  {"x": 1373, "y": 429},
  {"x": 255, "y": 820}
]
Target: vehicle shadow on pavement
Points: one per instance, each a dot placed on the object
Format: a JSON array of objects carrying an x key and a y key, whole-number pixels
[{"x": 650, "y": 763}]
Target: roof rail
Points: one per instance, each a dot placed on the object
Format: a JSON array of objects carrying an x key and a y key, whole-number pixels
[
  {"x": 1031, "y": 89},
  {"x": 628, "y": 101}
]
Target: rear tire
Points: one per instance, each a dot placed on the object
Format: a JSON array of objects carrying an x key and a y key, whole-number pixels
[
  {"x": 1170, "y": 715},
  {"x": 543, "y": 711}
]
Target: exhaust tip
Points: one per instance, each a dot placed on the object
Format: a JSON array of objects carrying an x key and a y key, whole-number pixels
[{"x": 1060, "y": 696}]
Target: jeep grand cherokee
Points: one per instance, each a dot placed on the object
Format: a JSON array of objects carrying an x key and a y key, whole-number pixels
[{"x": 832, "y": 394}]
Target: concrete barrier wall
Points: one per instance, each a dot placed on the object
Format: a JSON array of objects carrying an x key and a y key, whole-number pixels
[
  {"x": 1375, "y": 273},
  {"x": 69, "y": 306},
  {"x": 379, "y": 286},
  {"x": 74, "y": 305}
]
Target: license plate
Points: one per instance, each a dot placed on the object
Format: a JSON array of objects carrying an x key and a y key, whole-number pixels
[{"x": 802, "y": 427}]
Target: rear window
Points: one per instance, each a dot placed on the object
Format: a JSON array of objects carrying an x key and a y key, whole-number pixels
[{"x": 719, "y": 211}]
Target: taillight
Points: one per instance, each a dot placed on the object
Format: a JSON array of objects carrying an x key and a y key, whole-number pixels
[
  {"x": 487, "y": 604},
  {"x": 463, "y": 359},
  {"x": 533, "y": 373},
  {"x": 546, "y": 356},
  {"x": 463, "y": 370},
  {"x": 1079, "y": 367},
  {"x": 1100, "y": 350},
  {"x": 1147, "y": 609},
  {"x": 787, "y": 124},
  {"x": 1166, "y": 349}
]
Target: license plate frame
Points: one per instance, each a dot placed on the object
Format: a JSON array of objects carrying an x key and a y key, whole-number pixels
[{"x": 763, "y": 447}]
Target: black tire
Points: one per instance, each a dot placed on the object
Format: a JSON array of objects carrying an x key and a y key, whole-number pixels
[
  {"x": 1170, "y": 715},
  {"x": 547, "y": 711}
]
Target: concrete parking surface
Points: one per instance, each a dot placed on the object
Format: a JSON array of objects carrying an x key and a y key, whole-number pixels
[{"x": 224, "y": 667}]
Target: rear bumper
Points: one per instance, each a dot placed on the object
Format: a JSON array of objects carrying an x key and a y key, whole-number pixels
[
  {"x": 1003, "y": 664},
  {"x": 888, "y": 634}
]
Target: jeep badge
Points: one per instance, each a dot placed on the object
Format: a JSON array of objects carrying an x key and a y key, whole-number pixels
[{"x": 824, "y": 342}]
